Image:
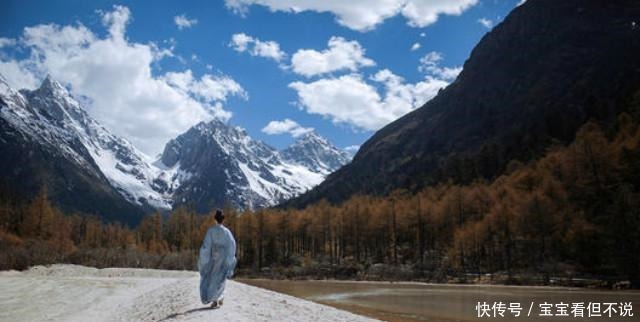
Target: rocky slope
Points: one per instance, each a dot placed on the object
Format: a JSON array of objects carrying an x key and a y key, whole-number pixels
[{"x": 222, "y": 164}]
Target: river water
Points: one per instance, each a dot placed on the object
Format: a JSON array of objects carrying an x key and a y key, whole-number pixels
[{"x": 409, "y": 302}]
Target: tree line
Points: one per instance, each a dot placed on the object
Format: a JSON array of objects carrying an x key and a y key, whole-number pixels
[{"x": 575, "y": 212}]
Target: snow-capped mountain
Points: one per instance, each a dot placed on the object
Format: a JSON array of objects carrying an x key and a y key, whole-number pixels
[
  {"x": 209, "y": 165},
  {"x": 50, "y": 115},
  {"x": 48, "y": 140},
  {"x": 316, "y": 153},
  {"x": 221, "y": 163}
]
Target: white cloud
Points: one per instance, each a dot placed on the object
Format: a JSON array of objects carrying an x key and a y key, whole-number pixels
[
  {"x": 349, "y": 99},
  {"x": 363, "y": 15},
  {"x": 430, "y": 64},
  {"x": 5, "y": 42},
  {"x": 422, "y": 34},
  {"x": 401, "y": 97},
  {"x": 116, "y": 21},
  {"x": 487, "y": 23},
  {"x": 415, "y": 46},
  {"x": 341, "y": 55},
  {"x": 208, "y": 88},
  {"x": 521, "y": 3},
  {"x": 422, "y": 13},
  {"x": 286, "y": 126},
  {"x": 431, "y": 58},
  {"x": 268, "y": 49},
  {"x": 115, "y": 77},
  {"x": 240, "y": 42},
  {"x": 183, "y": 22},
  {"x": 17, "y": 74}
]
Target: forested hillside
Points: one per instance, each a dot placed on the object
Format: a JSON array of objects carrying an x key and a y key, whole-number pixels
[{"x": 575, "y": 212}]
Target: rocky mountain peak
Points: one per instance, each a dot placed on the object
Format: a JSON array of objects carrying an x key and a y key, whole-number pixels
[
  {"x": 51, "y": 87},
  {"x": 312, "y": 138},
  {"x": 48, "y": 139},
  {"x": 222, "y": 163},
  {"x": 316, "y": 152}
]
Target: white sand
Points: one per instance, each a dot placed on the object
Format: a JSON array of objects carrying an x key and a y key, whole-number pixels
[{"x": 77, "y": 293}]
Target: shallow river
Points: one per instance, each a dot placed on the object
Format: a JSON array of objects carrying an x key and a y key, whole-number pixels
[{"x": 429, "y": 302}]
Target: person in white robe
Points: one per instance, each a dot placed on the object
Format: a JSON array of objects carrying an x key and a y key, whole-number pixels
[{"x": 216, "y": 262}]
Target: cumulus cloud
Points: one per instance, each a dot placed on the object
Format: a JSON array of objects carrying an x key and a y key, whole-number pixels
[
  {"x": 430, "y": 64},
  {"x": 487, "y": 23},
  {"x": 114, "y": 76},
  {"x": 286, "y": 126},
  {"x": 340, "y": 55},
  {"x": 363, "y": 15},
  {"x": 349, "y": 99},
  {"x": 242, "y": 42},
  {"x": 421, "y": 13},
  {"x": 415, "y": 46},
  {"x": 183, "y": 22}
]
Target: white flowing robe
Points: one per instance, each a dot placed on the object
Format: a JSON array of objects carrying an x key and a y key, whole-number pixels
[{"x": 216, "y": 262}]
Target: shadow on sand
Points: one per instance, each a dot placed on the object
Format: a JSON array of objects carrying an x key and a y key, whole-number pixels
[{"x": 175, "y": 315}]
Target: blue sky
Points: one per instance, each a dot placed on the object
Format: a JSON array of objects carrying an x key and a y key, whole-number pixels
[{"x": 149, "y": 70}]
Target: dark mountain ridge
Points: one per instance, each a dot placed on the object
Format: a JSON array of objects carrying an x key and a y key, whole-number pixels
[{"x": 532, "y": 81}]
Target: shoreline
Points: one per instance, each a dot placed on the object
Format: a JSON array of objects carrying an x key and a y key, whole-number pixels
[
  {"x": 498, "y": 280},
  {"x": 78, "y": 293},
  {"x": 414, "y": 301},
  {"x": 417, "y": 283},
  {"x": 595, "y": 284}
]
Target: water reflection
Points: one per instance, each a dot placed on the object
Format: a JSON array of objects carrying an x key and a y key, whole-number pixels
[{"x": 428, "y": 302}]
